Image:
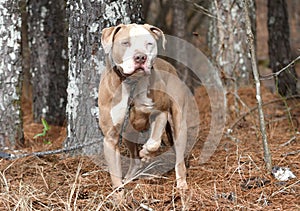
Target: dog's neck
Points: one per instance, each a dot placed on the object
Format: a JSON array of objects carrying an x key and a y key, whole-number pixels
[
  {"x": 119, "y": 73},
  {"x": 140, "y": 96}
]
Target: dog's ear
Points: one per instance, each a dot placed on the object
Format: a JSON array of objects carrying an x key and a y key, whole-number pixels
[
  {"x": 107, "y": 37},
  {"x": 157, "y": 33}
]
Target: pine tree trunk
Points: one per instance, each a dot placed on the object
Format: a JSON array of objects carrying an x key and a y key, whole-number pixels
[
  {"x": 228, "y": 40},
  {"x": 279, "y": 46},
  {"x": 179, "y": 25},
  {"x": 178, "y": 30},
  {"x": 86, "y": 61},
  {"x": 48, "y": 46},
  {"x": 11, "y": 134}
]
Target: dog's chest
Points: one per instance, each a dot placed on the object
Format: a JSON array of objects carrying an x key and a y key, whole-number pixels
[{"x": 140, "y": 100}]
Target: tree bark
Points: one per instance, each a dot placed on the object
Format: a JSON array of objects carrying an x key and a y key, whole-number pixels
[
  {"x": 86, "y": 62},
  {"x": 179, "y": 30},
  {"x": 11, "y": 134},
  {"x": 227, "y": 40},
  {"x": 279, "y": 47},
  {"x": 48, "y": 46}
]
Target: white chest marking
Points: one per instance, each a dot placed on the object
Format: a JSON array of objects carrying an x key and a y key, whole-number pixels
[
  {"x": 140, "y": 98},
  {"x": 118, "y": 112}
]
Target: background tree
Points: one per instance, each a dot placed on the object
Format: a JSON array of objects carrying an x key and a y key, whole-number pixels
[
  {"x": 86, "y": 61},
  {"x": 47, "y": 34},
  {"x": 279, "y": 47},
  {"x": 227, "y": 40},
  {"x": 11, "y": 133},
  {"x": 179, "y": 24}
]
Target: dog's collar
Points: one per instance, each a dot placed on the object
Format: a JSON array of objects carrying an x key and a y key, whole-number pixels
[{"x": 121, "y": 75}]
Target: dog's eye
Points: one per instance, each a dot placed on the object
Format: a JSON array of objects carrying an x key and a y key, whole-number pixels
[
  {"x": 125, "y": 43},
  {"x": 150, "y": 44}
]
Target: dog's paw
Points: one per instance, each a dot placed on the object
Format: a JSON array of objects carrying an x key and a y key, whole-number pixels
[
  {"x": 152, "y": 145},
  {"x": 145, "y": 155},
  {"x": 149, "y": 150},
  {"x": 118, "y": 196},
  {"x": 182, "y": 185}
]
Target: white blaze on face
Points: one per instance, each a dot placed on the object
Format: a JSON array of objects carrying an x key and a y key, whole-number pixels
[{"x": 141, "y": 41}]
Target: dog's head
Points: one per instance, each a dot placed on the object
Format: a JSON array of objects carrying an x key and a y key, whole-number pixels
[{"x": 132, "y": 47}]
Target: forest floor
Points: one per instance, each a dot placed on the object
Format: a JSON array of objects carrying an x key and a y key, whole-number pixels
[{"x": 235, "y": 177}]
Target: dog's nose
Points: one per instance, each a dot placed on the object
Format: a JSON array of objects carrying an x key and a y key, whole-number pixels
[{"x": 140, "y": 58}]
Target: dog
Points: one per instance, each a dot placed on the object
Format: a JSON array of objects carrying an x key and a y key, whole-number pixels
[{"x": 158, "y": 101}]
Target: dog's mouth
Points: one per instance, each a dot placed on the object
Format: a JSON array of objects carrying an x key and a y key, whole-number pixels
[{"x": 141, "y": 68}]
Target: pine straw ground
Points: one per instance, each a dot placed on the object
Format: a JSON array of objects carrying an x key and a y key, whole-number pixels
[{"x": 235, "y": 177}]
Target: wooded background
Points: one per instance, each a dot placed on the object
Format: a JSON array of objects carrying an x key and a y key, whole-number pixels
[{"x": 51, "y": 53}]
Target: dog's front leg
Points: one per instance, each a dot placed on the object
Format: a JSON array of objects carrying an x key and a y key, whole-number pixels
[
  {"x": 158, "y": 121},
  {"x": 135, "y": 163},
  {"x": 113, "y": 159}
]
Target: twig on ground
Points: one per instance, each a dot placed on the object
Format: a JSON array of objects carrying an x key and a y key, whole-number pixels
[
  {"x": 285, "y": 188},
  {"x": 290, "y": 153},
  {"x": 73, "y": 189},
  {"x": 145, "y": 207},
  {"x": 289, "y": 141},
  {"x": 138, "y": 174},
  {"x": 216, "y": 194}
]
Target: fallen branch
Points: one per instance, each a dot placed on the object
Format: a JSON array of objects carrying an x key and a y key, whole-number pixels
[
  {"x": 285, "y": 188},
  {"x": 289, "y": 141},
  {"x": 290, "y": 153}
]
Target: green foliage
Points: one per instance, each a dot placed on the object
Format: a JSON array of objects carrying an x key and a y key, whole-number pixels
[{"x": 44, "y": 133}]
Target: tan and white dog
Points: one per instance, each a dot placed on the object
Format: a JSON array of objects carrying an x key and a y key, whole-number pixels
[{"x": 157, "y": 101}]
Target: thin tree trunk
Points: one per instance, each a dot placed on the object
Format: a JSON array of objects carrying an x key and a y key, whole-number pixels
[
  {"x": 86, "y": 61},
  {"x": 267, "y": 154},
  {"x": 48, "y": 46},
  {"x": 279, "y": 47},
  {"x": 11, "y": 134}
]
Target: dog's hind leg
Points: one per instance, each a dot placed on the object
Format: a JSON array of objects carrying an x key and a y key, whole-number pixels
[{"x": 180, "y": 141}]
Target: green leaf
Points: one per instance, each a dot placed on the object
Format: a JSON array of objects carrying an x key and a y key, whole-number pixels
[
  {"x": 45, "y": 129},
  {"x": 45, "y": 124},
  {"x": 39, "y": 135},
  {"x": 47, "y": 141}
]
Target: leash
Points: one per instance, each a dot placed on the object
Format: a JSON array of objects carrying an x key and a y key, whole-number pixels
[
  {"x": 10, "y": 156},
  {"x": 129, "y": 106}
]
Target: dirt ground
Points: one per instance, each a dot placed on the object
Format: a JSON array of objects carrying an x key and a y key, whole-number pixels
[{"x": 235, "y": 178}]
